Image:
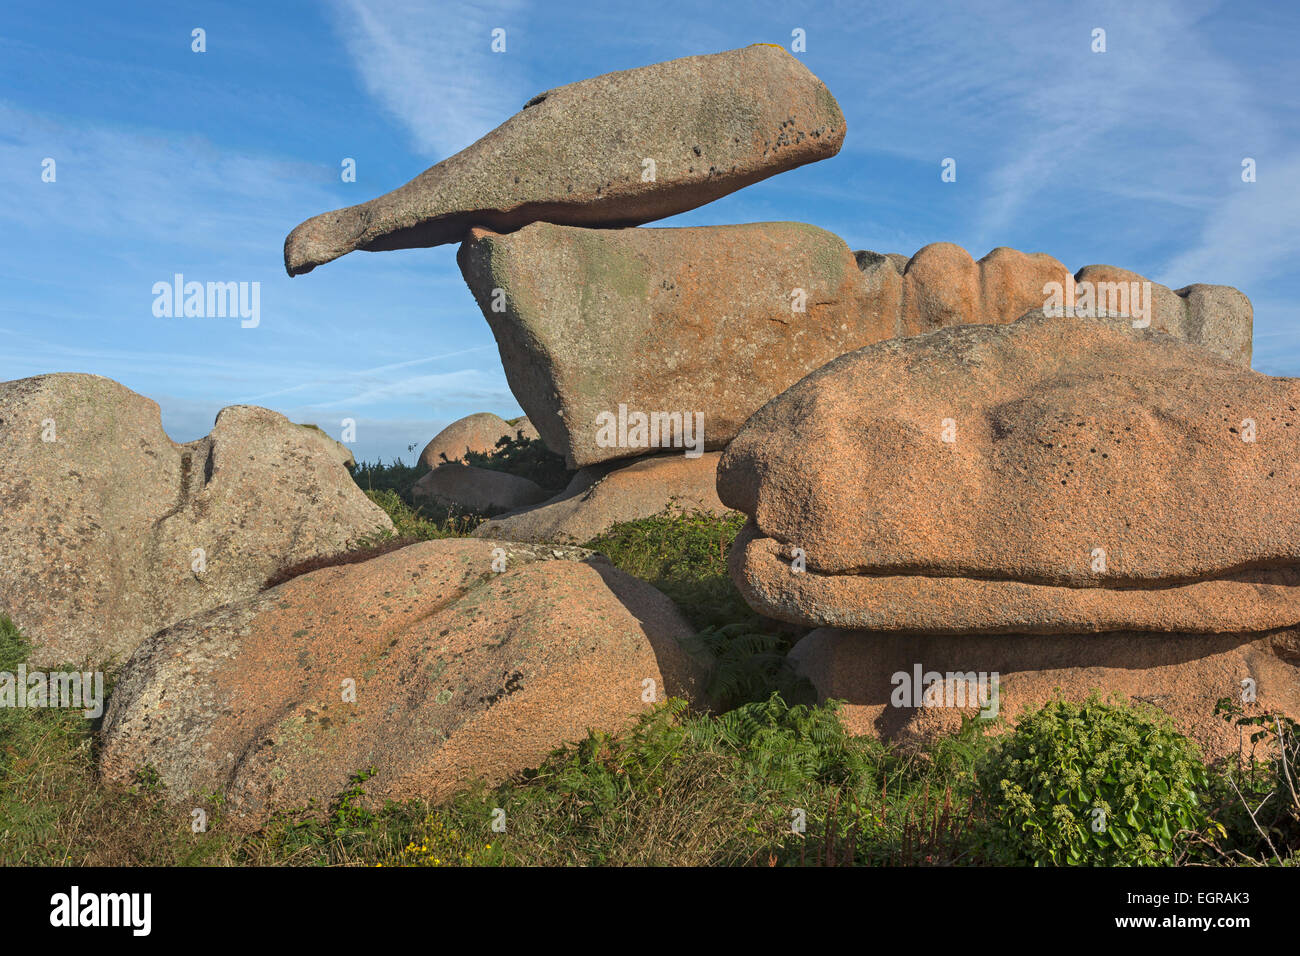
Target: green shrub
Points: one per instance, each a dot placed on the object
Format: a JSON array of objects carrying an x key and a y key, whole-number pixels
[
  {"x": 1094, "y": 784},
  {"x": 526, "y": 458}
]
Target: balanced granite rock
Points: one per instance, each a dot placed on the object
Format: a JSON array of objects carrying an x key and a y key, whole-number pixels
[
  {"x": 705, "y": 323},
  {"x": 1051, "y": 475},
  {"x": 436, "y": 664},
  {"x": 477, "y": 433},
  {"x": 615, "y": 150},
  {"x": 601, "y": 496},
  {"x": 112, "y": 531},
  {"x": 484, "y": 491},
  {"x": 884, "y": 679}
]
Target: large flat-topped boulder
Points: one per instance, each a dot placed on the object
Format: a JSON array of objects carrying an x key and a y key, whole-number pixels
[
  {"x": 1048, "y": 475},
  {"x": 711, "y": 321},
  {"x": 615, "y": 150},
  {"x": 436, "y": 664},
  {"x": 112, "y": 531}
]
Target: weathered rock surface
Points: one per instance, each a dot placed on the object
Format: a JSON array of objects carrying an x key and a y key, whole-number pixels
[
  {"x": 103, "y": 522},
  {"x": 960, "y": 604},
  {"x": 1217, "y": 317},
  {"x": 465, "y": 488},
  {"x": 478, "y": 433},
  {"x": 601, "y": 496},
  {"x": 1183, "y": 674},
  {"x": 705, "y": 319},
  {"x": 332, "y": 446},
  {"x": 942, "y": 285},
  {"x": 663, "y": 320},
  {"x": 577, "y": 155},
  {"x": 459, "y": 673},
  {"x": 1097, "y": 478}
]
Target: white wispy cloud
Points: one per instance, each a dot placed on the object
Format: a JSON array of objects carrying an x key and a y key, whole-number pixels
[
  {"x": 432, "y": 66},
  {"x": 1123, "y": 122},
  {"x": 150, "y": 186},
  {"x": 466, "y": 384},
  {"x": 1251, "y": 234},
  {"x": 380, "y": 373}
]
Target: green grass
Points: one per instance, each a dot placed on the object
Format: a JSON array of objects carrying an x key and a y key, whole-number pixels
[{"x": 766, "y": 784}]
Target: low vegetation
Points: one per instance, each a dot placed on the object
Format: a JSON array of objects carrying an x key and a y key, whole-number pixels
[
  {"x": 1096, "y": 784},
  {"x": 526, "y": 457},
  {"x": 768, "y": 778}
]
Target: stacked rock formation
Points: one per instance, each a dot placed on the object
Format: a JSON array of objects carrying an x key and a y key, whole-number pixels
[
  {"x": 506, "y": 670},
  {"x": 933, "y": 481},
  {"x": 977, "y": 488},
  {"x": 1063, "y": 504},
  {"x": 720, "y": 319}
]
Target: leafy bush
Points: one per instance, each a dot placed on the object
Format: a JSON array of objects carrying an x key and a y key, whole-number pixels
[
  {"x": 526, "y": 458},
  {"x": 1094, "y": 784},
  {"x": 683, "y": 554}
]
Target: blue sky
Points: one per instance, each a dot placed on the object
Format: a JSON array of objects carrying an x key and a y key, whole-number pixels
[{"x": 199, "y": 163}]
